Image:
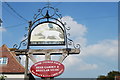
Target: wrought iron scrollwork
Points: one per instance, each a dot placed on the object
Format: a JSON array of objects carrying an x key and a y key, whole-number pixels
[
  {"x": 68, "y": 28},
  {"x": 50, "y": 9},
  {"x": 15, "y": 46},
  {"x": 55, "y": 12},
  {"x": 59, "y": 15},
  {"x": 68, "y": 34},
  {"x": 71, "y": 43},
  {"x": 49, "y": 14},
  {"x": 25, "y": 35},
  {"x": 23, "y": 42}
]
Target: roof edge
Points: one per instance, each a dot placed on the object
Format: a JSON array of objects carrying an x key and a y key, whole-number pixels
[
  {"x": 12, "y": 72},
  {"x": 4, "y": 45}
]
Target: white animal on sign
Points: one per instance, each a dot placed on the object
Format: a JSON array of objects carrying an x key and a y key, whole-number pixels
[{"x": 49, "y": 33}]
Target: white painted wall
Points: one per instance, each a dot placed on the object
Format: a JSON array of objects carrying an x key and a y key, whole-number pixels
[{"x": 15, "y": 76}]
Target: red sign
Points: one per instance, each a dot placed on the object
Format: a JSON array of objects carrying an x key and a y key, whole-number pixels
[{"x": 47, "y": 68}]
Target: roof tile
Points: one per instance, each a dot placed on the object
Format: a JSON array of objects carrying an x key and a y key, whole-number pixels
[{"x": 13, "y": 66}]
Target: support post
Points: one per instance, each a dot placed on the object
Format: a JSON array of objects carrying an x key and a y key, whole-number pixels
[
  {"x": 32, "y": 58},
  {"x": 26, "y": 68},
  {"x": 47, "y": 57},
  {"x": 26, "y": 53},
  {"x": 48, "y": 53}
]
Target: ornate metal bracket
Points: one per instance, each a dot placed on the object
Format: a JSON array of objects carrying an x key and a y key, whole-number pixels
[
  {"x": 71, "y": 42},
  {"x": 22, "y": 43},
  {"x": 42, "y": 13},
  {"x": 51, "y": 14}
]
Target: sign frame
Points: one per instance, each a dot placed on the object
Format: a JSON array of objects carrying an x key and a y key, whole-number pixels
[{"x": 62, "y": 28}]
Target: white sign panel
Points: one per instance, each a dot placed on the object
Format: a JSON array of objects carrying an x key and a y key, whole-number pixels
[{"x": 47, "y": 33}]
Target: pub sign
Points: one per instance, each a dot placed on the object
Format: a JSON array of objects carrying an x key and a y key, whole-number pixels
[{"x": 47, "y": 33}]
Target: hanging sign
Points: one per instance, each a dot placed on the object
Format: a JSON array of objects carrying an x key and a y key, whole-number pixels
[
  {"x": 48, "y": 33},
  {"x": 47, "y": 68}
]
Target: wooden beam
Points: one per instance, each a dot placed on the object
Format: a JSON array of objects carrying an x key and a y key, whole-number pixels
[
  {"x": 45, "y": 51},
  {"x": 62, "y": 58},
  {"x": 47, "y": 56},
  {"x": 32, "y": 58}
]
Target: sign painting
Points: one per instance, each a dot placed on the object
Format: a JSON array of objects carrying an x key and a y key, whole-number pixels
[{"x": 47, "y": 33}]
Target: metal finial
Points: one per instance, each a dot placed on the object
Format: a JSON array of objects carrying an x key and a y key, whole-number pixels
[{"x": 47, "y": 15}]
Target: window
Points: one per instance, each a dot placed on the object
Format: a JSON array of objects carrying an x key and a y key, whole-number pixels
[{"x": 3, "y": 60}]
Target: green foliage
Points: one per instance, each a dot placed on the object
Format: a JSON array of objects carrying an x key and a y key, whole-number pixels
[
  {"x": 102, "y": 77},
  {"x": 110, "y": 76},
  {"x": 2, "y": 77},
  {"x": 113, "y": 74}
]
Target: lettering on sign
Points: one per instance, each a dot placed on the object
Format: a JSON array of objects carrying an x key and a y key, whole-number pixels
[{"x": 47, "y": 68}]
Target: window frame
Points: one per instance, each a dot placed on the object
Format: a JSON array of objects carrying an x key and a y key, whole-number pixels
[{"x": 3, "y": 60}]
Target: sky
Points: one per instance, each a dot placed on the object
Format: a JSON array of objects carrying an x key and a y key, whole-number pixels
[
  {"x": 61, "y": 0},
  {"x": 94, "y": 25}
]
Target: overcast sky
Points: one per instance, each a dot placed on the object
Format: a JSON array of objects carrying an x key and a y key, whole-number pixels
[{"x": 93, "y": 24}]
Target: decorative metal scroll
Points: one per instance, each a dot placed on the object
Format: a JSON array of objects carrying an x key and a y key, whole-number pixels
[
  {"x": 47, "y": 29},
  {"x": 22, "y": 43},
  {"x": 52, "y": 12}
]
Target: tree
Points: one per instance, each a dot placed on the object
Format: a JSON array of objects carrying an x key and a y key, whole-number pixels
[
  {"x": 102, "y": 77},
  {"x": 110, "y": 76}
]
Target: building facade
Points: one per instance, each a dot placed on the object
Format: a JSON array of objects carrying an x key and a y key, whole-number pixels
[{"x": 10, "y": 66}]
